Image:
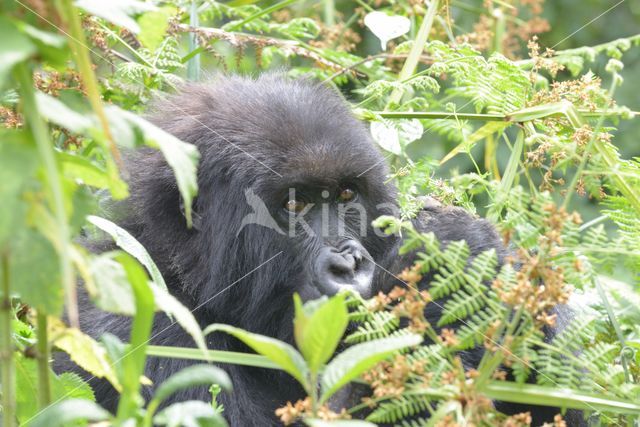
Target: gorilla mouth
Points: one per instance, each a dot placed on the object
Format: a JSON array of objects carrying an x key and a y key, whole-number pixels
[{"x": 348, "y": 266}]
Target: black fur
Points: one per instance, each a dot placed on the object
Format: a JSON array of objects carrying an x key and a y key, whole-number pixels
[{"x": 268, "y": 135}]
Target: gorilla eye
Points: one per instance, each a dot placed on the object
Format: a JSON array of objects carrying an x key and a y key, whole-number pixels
[
  {"x": 294, "y": 206},
  {"x": 346, "y": 195}
]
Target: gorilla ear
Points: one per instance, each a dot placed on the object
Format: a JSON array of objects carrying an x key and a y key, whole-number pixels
[{"x": 196, "y": 219}]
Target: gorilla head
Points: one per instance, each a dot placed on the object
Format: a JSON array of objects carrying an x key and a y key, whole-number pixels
[{"x": 289, "y": 184}]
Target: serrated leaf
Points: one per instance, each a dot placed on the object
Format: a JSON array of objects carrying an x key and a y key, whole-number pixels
[
  {"x": 354, "y": 361},
  {"x": 192, "y": 376},
  {"x": 182, "y": 157},
  {"x": 319, "y": 328},
  {"x": 191, "y": 413},
  {"x": 278, "y": 352},
  {"x": 117, "y": 11},
  {"x": 39, "y": 287},
  {"x": 83, "y": 350}
]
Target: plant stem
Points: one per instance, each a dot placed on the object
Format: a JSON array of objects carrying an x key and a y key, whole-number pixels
[
  {"x": 44, "y": 383},
  {"x": 56, "y": 197},
  {"x": 329, "y": 12},
  {"x": 6, "y": 348},
  {"x": 419, "y": 43}
]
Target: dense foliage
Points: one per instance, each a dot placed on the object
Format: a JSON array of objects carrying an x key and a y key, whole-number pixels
[{"x": 469, "y": 108}]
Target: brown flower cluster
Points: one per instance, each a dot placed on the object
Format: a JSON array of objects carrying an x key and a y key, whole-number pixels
[
  {"x": 407, "y": 302},
  {"x": 521, "y": 21},
  {"x": 9, "y": 118},
  {"x": 585, "y": 92},
  {"x": 390, "y": 378},
  {"x": 289, "y": 413},
  {"x": 337, "y": 37},
  {"x": 540, "y": 285},
  {"x": 542, "y": 61},
  {"x": 52, "y": 82}
]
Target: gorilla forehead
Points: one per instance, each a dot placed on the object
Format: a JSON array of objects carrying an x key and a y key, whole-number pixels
[{"x": 297, "y": 128}]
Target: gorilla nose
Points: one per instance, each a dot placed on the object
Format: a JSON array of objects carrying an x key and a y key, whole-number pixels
[{"x": 347, "y": 266}]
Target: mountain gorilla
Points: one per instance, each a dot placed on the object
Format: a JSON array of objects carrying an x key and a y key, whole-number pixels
[{"x": 289, "y": 182}]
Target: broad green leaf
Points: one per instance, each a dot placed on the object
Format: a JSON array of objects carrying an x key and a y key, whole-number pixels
[
  {"x": 69, "y": 411},
  {"x": 192, "y": 376},
  {"x": 354, "y": 361},
  {"x": 57, "y": 112},
  {"x": 319, "y": 328},
  {"x": 38, "y": 286},
  {"x": 15, "y": 48},
  {"x": 129, "y": 244},
  {"x": 164, "y": 300},
  {"x": 51, "y": 46},
  {"x": 312, "y": 422},
  {"x": 82, "y": 169},
  {"x": 117, "y": 12},
  {"x": 191, "y": 413},
  {"x": 174, "y": 308},
  {"x": 153, "y": 26},
  {"x": 18, "y": 162},
  {"x": 111, "y": 292},
  {"x": 182, "y": 157},
  {"x": 279, "y": 352},
  {"x": 83, "y": 350}
]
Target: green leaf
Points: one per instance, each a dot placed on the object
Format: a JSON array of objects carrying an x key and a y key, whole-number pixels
[
  {"x": 560, "y": 397},
  {"x": 112, "y": 290},
  {"x": 319, "y": 328},
  {"x": 57, "y": 112},
  {"x": 164, "y": 300},
  {"x": 135, "y": 356},
  {"x": 153, "y": 26},
  {"x": 117, "y": 11},
  {"x": 279, "y": 352},
  {"x": 174, "y": 308},
  {"x": 83, "y": 350},
  {"x": 68, "y": 411},
  {"x": 354, "y": 361},
  {"x": 191, "y": 413},
  {"x": 39, "y": 287},
  {"x": 82, "y": 169},
  {"x": 129, "y": 244},
  {"x": 51, "y": 46},
  {"x": 15, "y": 48},
  {"x": 182, "y": 157},
  {"x": 18, "y": 162},
  {"x": 192, "y": 376}
]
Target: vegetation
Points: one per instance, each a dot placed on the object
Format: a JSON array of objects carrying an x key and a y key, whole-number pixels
[{"x": 469, "y": 107}]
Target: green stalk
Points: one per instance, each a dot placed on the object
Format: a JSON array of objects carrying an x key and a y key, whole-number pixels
[
  {"x": 419, "y": 43},
  {"x": 233, "y": 357},
  {"x": 487, "y": 117},
  {"x": 329, "y": 12},
  {"x": 44, "y": 382},
  {"x": 78, "y": 44},
  {"x": 260, "y": 13},
  {"x": 6, "y": 349}
]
